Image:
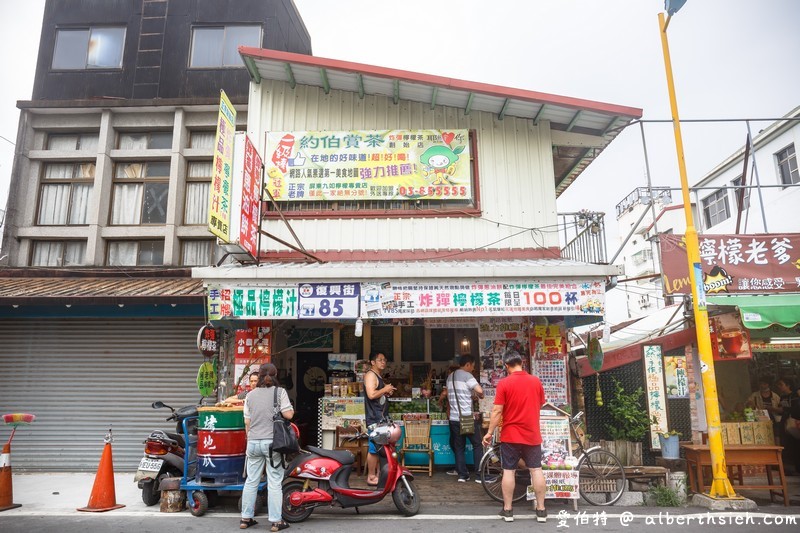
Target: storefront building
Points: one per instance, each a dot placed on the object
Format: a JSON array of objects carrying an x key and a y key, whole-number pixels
[{"x": 409, "y": 214}]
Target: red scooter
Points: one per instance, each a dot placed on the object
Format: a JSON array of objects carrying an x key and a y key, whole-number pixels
[{"x": 322, "y": 477}]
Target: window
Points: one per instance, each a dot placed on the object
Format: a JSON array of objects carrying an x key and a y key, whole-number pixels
[
  {"x": 141, "y": 191},
  {"x": 58, "y": 253},
  {"x": 86, "y": 142},
  {"x": 715, "y": 208},
  {"x": 738, "y": 191},
  {"x": 158, "y": 140},
  {"x": 64, "y": 194},
  {"x": 88, "y": 48},
  {"x": 135, "y": 253},
  {"x": 198, "y": 182},
  {"x": 198, "y": 253},
  {"x": 787, "y": 166},
  {"x": 218, "y": 46},
  {"x": 202, "y": 139}
]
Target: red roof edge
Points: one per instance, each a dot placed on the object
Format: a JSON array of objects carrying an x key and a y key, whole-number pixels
[{"x": 441, "y": 81}]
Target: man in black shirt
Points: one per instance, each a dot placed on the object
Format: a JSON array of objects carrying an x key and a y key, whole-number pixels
[{"x": 376, "y": 406}]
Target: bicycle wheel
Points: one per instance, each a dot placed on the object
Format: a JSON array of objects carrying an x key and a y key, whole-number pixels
[
  {"x": 602, "y": 478},
  {"x": 491, "y": 476}
]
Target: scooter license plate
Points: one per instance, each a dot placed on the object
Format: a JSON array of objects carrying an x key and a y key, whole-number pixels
[{"x": 152, "y": 465}]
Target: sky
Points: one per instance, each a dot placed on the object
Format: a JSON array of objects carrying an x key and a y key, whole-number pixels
[{"x": 730, "y": 58}]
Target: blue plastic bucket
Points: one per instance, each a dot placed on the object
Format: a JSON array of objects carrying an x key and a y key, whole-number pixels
[{"x": 670, "y": 447}]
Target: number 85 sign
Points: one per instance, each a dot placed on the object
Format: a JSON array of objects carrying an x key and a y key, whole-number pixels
[{"x": 328, "y": 300}]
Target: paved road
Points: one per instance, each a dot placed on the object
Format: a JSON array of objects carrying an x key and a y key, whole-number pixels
[{"x": 344, "y": 521}]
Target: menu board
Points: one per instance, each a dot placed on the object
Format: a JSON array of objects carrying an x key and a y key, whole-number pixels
[
  {"x": 340, "y": 412},
  {"x": 552, "y": 371}
]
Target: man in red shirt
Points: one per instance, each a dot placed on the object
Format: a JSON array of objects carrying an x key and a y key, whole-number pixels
[{"x": 518, "y": 400}]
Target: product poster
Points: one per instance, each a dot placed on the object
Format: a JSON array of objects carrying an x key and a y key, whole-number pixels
[
  {"x": 253, "y": 348},
  {"x": 557, "y": 461},
  {"x": 496, "y": 336},
  {"x": 675, "y": 376},
  {"x": 341, "y": 412},
  {"x": 731, "y": 338},
  {"x": 369, "y": 165}
]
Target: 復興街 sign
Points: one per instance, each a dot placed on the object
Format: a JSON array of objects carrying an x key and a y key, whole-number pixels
[
  {"x": 514, "y": 298},
  {"x": 368, "y": 165},
  {"x": 760, "y": 263}
]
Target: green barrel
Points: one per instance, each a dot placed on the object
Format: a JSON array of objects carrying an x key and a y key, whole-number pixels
[{"x": 216, "y": 418}]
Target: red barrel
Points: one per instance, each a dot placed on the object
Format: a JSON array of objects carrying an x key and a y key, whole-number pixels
[{"x": 221, "y": 443}]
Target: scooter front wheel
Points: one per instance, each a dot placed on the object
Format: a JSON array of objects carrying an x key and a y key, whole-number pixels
[
  {"x": 289, "y": 512},
  {"x": 407, "y": 502}
]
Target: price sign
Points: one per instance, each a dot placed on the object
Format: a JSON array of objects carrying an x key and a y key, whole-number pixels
[{"x": 328, "y": 300}]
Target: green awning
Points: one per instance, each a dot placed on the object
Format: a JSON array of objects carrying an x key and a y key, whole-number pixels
[{"x": 761, "y": 311}]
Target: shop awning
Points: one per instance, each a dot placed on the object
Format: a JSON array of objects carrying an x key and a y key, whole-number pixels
[{"x": 760, "y": 311}]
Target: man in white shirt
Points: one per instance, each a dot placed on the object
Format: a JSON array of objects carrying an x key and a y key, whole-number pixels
[{"x": 461, "y": 385}]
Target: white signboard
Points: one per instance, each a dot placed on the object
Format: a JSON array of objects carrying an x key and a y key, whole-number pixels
[{"x": 656, "y": 393}]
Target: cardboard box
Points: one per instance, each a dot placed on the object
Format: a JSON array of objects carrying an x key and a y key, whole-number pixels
[
  {"x": 730, "y": 433},
  {"x": 762, "y": 433},
  {"x": 746, "y": 432}
]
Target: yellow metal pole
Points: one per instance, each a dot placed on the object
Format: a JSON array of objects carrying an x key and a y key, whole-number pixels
[{"x": 721, "y": 486}]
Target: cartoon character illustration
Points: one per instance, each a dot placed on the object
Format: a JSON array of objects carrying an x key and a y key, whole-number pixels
[{"x": 440, "y": 161}]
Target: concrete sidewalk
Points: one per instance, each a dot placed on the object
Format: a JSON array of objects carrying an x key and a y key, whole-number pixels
[{"x": 43, "y": 494}]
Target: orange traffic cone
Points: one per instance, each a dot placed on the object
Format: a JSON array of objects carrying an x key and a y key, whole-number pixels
[
  {"x": 103, "y": 497},
  {"x": 6, "y": 490}
]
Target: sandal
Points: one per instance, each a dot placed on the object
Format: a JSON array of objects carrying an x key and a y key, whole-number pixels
[
  {"x": 244, "y": 523},
  {"x": 277, "y": 526}
]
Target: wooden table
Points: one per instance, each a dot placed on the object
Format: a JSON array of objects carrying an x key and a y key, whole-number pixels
[{"x": 737, "y": 455}]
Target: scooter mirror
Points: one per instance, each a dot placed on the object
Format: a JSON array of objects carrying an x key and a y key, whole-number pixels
[{"x": 158, "y": 405}]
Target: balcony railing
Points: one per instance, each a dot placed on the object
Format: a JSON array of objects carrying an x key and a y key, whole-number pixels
[{"x": 584, "y": 233}]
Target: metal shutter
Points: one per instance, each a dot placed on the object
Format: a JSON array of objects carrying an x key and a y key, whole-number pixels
[{"x": 82, "y": 376}]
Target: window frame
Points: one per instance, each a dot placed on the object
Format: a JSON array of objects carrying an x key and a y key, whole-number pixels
[
  {"x": 144, "y": 180},
  {"x": 90, "y": 29},
  {"x": 138, "y": 243},
  {"x": 794, "y": 173},
  {"x": 384, "y": 208},
  {"x": 224, "y": 28},
  {"x": 75, "y": 179},
  {"x": 196, "y": 179},
  {"x": 79, "y": 139},
  {"x": 717, "y": 197},
  {"x": 64, "y": 244},
  {"x": 149, "y": 135},
  {"x": 736, "y": 183},
  {"x": 213, "y": 251}
]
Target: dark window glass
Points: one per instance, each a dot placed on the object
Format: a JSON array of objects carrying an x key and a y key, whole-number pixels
[{"x": 412, "y": 343}]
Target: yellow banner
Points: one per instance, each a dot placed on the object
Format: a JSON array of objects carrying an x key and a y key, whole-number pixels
[
  {"x": 219, "y": 196},
  {"x": 304, "y": 166}
]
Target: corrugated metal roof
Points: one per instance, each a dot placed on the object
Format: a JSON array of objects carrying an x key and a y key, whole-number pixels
[
  {"x": 517, "y": 269},
  {"x": 19, "y": 289},
  {"x": 601, "y": 120}
]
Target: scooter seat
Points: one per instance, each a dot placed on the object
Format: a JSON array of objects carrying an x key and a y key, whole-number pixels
[{"x": 341, "y": 456}]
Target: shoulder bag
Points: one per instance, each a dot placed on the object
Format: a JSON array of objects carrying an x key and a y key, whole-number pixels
[
  {"x": 284, "y": 439},
  {"x": 466, "y": 423}
]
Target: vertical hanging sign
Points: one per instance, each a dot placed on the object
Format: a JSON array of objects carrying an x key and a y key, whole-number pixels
[
  {"x": 251, "y": 199},
  {"x": 656, "y": 393},
  {"x": 219, "y": 197}
]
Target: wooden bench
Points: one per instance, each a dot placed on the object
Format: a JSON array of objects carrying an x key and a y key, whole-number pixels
[
  {"x": 647, "y": 474},
  {"x": 738, "y": 455}
]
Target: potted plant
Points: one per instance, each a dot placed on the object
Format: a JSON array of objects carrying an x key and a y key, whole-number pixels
[
  {"x": 670, "y": 444},
  {"x": 631, "y": 423}
]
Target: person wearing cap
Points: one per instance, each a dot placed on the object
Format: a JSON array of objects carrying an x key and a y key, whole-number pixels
[{"x": 518, "y": 399}]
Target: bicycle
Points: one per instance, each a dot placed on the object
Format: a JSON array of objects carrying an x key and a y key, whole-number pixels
[{"x": 602, "y": 477}]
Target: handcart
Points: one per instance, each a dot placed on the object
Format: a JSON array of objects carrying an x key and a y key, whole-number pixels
[{"x": 213, "y": 473}]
